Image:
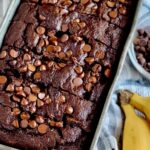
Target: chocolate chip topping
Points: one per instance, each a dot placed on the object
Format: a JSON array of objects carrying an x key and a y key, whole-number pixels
[{"x": 42, "y": 128}]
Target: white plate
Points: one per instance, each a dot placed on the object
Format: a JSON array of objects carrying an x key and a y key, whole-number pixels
[{"x": 144, "y": 22}]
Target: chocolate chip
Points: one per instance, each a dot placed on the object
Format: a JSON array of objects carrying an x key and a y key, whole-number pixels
[
  {"x": 41, "y": 43},
  {"x": 27, "y": 90},
  {"x": 72, "y": 120},
  {"x": 32, "y": 124},
  {"x": 69, "y": 110},
  {"x": 43, "y": 128},
  {"x": 48, "y": 100},
  {"x": 18, "y": 82},
  {"x": 32, "y": 109},
  {"x": 21, "y": 94},
  {"x": 122, "y": 1},
  {"x": 42, "y": 67},
  {"x": 13, "y": 62},
  {"x": 16, "y": 111},
  {"x": 86, "y": 48},
  {"x": 88, "y": 87},
  {"x": 82, "y": 24},
  {"x": 24, "y": 123},
  {"x": 46, "y": 42},
  {"x": 56, "y": 124},
  {"x": 37, "y": 63},
  {"x": 64, "y": 38},
  {"x": 62, "y": 99},
  {"x": 61, "y": 55},
  {"x": 89, "y": 60},
  {"x": 39, "y": 119},
  {"x": 50, "y": 48},
  {"x": 100, "y": 54},
  {"x": 10, "y": 88},
  {"x": 35, "y": 89},
  {"x": 77, "y": 82},
  {"x": 23, "y": 69},
  {"x": 25, "y": 116},
  {"x": 57, "y": 48},
  {"x": 3, "y": 54},
  {"x": 18, "y": 88},
  {"x": 96, "y": 68},
  {"x": 84, "y": 1},
  {"x": 50, "y": 64},
  {"x": 40, "y": 103},
  {"x": 41, "y": 96},
  {"x": 82, "y": 75},
  {"x": 123, "y": 10},
  {"x": 64, "y": 27},
  {"x": 31, "y": 67},
  {"x": 41, "y": 17},
  {"x": 26, "y": 57},
  {"x": 32, "y": 98},
  {"x": 92, "y": 79},
  {"x": 15, "y": 123},
  {"x": 3, "y": 79},
  {"x": 40, "y": 30},
  {"x": 61, "y": 65},
  {"x": 49, "y": 1},
  {"x": 24, "y": 102},
  {"x": 15, "y": 98},
  {"x": 37, "y": 76},
  {"x": 110, "y": 4},
  {"x": 13, "y": 53},
  {"x": 113, "y": 14},
  {"x": 69, "y": 53},
  {"x": 141, "y": 60},
  {"x": 79, "y": 69},
  {"x": 107, "y": 73}
]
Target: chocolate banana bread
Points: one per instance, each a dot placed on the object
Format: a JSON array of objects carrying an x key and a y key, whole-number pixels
[{"x": 56, "y": 66}]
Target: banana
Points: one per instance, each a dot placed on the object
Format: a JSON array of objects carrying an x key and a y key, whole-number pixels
[
  {"x": 136, "y": 134},
  {"x": 142, "y": 104}
]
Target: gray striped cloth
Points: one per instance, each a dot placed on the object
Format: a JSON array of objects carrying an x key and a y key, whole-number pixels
[{"x": 129, "y": 79}]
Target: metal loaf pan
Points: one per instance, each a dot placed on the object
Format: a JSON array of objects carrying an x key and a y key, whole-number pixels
[
  {"x": 5, "y": 24},
  {"x": 125, "y": 48}
]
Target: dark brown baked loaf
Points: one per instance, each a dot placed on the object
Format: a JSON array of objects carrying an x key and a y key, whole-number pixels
[{"x": 56, "y": 60}]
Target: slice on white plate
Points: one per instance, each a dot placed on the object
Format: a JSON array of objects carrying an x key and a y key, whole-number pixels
[{"x": 143, "y": 23}]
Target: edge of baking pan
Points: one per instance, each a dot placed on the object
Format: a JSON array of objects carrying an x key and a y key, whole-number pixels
[
  {"x": 3, "y": 29},
  {"x": 119, "y": 69},
  {"x": 7, "y": 18}
]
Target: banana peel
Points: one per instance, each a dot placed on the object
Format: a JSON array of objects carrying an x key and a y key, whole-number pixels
[
  {"x": 139, "y": 102},
  {"x": 142, "y": 104},
  {"x": 136, "y": 133}
]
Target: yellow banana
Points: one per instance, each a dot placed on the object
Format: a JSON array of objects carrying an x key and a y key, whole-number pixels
[
  {"x": 142, "y": 104},
  {"x": 136, "y": 134}
]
